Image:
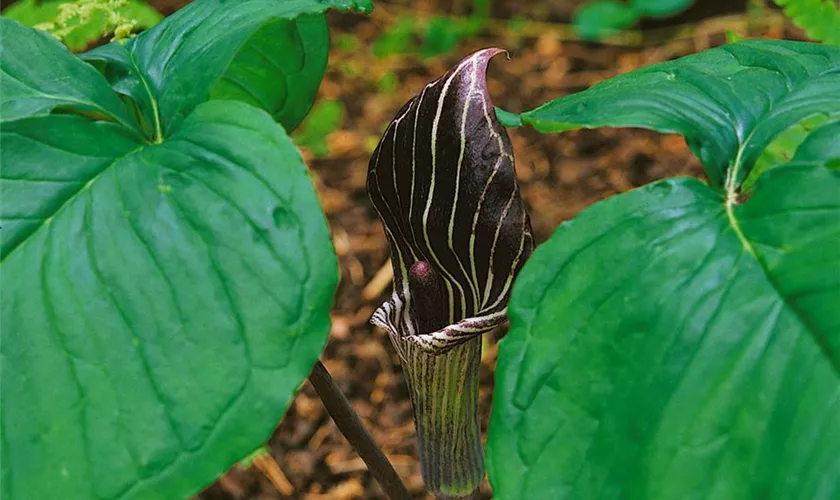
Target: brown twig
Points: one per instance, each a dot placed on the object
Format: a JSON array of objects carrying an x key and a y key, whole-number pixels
[
  {"x": 269, "y": 467},
  {"x": 351, "y": 426},
  {"x": 379, "y": 282}
]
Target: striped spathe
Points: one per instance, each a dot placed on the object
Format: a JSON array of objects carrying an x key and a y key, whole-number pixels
[
  {"x": 442, "y": 179},
  {"x": 443, "y": 182}
]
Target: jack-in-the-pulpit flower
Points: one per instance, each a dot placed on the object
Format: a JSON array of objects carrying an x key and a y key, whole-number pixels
[{"x": 443, "y": 182}]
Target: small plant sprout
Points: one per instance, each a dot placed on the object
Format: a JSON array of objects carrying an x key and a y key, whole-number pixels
[{"x": 443, "y": 182}]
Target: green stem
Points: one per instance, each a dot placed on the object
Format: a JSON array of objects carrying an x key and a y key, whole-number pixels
[{"x": 444, "y": 396}]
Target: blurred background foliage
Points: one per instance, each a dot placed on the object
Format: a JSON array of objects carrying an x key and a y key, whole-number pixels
[
  {"x": 436, "y": 28},
  {"x": 599, "y": 19},
  {"x": 79, "y": 24},
  {"x": 819, "y": 18}
]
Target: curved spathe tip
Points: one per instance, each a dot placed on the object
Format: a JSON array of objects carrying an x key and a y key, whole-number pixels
[
  {"x": 481, "y": 58},
  {"x": 488, "y": 53}
]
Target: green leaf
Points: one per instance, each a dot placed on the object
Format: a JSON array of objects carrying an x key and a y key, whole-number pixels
[
  {"x": 162, "y": 300},
  {"x": 660, "y": 8},
  {"x": 783, "y": 147},
  {"x": 160, "y": 304},
  {"x": 388, "y": 82},
  {"x": 121, "y": 71},
  {"x": 729, "y": 102},
  {"x": 34, "y": 84},
  {"x": 359, "y": 6},
  {"x": 508, "y": 119},
  {"x": 347, "y": 42},
  {"x": 188, "y": 58},
  {"x": 670, "y": 343},
  {"x": 733, "y": 36},
  {"x": 442, "y": 34},
  {"x": 821, "y": 146},
  {"x": 34, "y": 12},
  {"x": 398, "y": 39},
  {"x": 819, "y": 18},
  {"x": 298, "y": 49},
  {"x": 601, "y": 18},
  {"x": 326, "y": 117}
]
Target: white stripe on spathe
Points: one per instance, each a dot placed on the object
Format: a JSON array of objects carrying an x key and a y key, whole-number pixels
[
  {"x": 463, "y": 143},
  {"x": 435, "y": 123}
]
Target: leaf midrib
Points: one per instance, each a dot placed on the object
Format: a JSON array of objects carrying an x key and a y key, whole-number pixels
[
  {"x": 226, "y": 66},
  {"x": 730, "y": 203},
  {"x": 731, "y": 187},
  {"x": 158, "y": 138}
]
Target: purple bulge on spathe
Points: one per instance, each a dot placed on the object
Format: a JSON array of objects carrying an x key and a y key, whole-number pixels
[{"x": 442, "y": 179}]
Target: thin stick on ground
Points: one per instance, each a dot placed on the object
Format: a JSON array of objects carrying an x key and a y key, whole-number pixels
[
  {"x": 271, "y": 470},
  {"x": 351, "y": 426},
  {"x": 379, "y": 282}
]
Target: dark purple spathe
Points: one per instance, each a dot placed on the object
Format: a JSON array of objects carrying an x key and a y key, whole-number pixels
[{"x": 443, "y": 182}]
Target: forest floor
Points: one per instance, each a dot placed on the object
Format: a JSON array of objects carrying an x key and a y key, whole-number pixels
[{"x": 560, "y": 175}]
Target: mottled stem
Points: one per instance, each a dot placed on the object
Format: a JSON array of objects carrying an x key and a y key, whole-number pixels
[
  {"x": 444, "y": 396},
  {"x": 349, "y": 423}
]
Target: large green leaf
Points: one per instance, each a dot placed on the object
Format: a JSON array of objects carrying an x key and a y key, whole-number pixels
[
  {"x": 265, "y": 52},
  {"x": 279, "y": 68},
  {"x": 729, "y": 102},
  {"x": 161, "y": 300},
  {"x": 672, "y": 343}
]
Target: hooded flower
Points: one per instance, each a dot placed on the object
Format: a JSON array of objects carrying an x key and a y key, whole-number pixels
[{"x": 443, "y": 182}]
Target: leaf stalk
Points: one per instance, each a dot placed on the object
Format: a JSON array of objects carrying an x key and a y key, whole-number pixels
[{"x": 351, "y": 426}]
